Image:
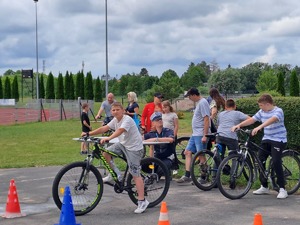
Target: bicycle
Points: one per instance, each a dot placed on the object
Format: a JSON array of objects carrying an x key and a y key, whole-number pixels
[
  {"x": 86, "y": 185},
  {"x": 204, "y": 174},
  {"x": 180, "y": 146},
  {"x": 238, "y": 171}
]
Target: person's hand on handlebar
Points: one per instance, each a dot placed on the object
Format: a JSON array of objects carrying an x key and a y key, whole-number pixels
[
  {"x": 104, "y": 140},
  {"x": 234, "y": 128},
  {"x": 83, "y": 134}
]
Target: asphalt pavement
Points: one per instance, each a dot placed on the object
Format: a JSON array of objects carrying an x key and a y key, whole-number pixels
[{"x": 186, "y": 204}]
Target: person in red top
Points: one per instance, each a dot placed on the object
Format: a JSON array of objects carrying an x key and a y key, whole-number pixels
[{"x": 149, "y": 109}]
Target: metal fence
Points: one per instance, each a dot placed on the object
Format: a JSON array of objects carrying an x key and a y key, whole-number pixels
[{"x": 42, "y": 110}]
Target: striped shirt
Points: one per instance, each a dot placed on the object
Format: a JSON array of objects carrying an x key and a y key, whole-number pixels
[{"x": 275, "y": 131}]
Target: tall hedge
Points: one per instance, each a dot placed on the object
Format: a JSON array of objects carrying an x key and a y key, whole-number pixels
[{"x": 291, "y": 109}]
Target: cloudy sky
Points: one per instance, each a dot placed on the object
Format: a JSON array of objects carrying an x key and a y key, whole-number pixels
[{"x": 155, "y": 34}]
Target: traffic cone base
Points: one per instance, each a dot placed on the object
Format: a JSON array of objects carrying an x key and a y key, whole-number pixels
[
  {"x": 163, "y": 216},
  {"x": 67, "y": 215},
  {"x": 257, "y": 219},
  {"x": 13, "y": 209}
]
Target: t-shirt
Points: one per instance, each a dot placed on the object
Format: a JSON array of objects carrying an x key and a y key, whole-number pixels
[
  {"x": 161, "y": 151},
  {"x": 107, "y": 107},
  {"x": 130, "y": 108},
  {"x": 226, "y": 120},
  {"x": 202, "y": 110},
  {"x": 275, "y": 131},
  {"x": 85, "y": 117},
  {"x": 168, "y": 120},
  {"x": 130, "y": 138}
]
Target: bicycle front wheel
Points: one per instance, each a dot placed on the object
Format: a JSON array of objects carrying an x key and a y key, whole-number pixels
[
  {"x": 86, "y": 187},
  {"x": 204, "y": 173},
  {"x": 156, "y": 177},
  {"x": 235, "y": 176},
  {"x": 291, "y": 171}
]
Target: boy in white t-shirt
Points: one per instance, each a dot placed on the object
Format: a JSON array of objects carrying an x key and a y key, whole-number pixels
[{"x": 130, "y": 144}]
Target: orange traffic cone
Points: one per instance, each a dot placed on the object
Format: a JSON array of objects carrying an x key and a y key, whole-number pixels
[
  {"x": 163, "y": 217},
  {"x": 12, "y": 205},
  {"x": 257, "y": 219}
]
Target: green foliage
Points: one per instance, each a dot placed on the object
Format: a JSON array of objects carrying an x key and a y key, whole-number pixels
[
  {"x": 280, "y": 83},
  {"x": 170, "y": 85},
  {"x": 294, "y": 84},
  {"x": 7, "y": 88},
  {"x": 193, "y": 77},
  {"x": 180, "y": 115},
  {"x": 15, "y": 89},
  {"x": 79, "y": 89},
  {"x": 226, "y": 81},
  {"x": 67, "y": 86},
  {"x": 1, "y": 88},
  {"x": 89, "y": 90},
  {"x": 291, "y": 109},
  {"x": 72, "y": 87},
  {"x": 42, "y": 87},
  {"x": 267, "y": 81},
  {"x": 98, "y": 90},
  {"x": 60, "y": 87},
  {"x": 50, "y": 94}
]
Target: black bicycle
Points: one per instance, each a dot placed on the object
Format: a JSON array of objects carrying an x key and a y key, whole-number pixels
[
  {"x": 205, "y": 165},
  {"x": 86, "y": 185},
  {"x": 241, "y": 168}
]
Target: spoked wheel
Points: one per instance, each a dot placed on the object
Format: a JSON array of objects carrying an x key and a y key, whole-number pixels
[
  {"x": 204, "y": 170},
  {"x": 235, "y": 176},
  {"x": 291, "y": 171},
  {"x": 86, "y": 187},
  {"x": 181, "y": 144},
  {"x": 156, "y": 178}
]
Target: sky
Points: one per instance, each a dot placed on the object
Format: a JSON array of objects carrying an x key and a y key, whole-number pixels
[{"x": 154, "y": 34}]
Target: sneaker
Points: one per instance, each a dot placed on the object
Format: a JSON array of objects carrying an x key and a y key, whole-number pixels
[
  {"x": 108, "y": 178},
  {"x": 142, "y": 206},
  {"x": 184, "y": 179},
  {"x": 261, "y": 191},
  {"x": 282, "y": 194},
  {"x": 202, "y": 180}
]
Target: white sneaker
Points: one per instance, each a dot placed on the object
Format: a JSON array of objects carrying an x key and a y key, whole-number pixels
[
  {"x": 107, "y": 179},
  {"x": 142, "y": 206},
  {"x": 262, "y": 191},
  {"x": 282, "y": 194}
]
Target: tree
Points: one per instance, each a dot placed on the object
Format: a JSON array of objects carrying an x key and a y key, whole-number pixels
[
  {"x": 170, "y": 84},
  {"x": 72, "y": 87},
  {"x": 98, "y": 90},
  {"x": 294, "y": 84},
  {"x": 89, "y": 90},
  {"x": 193, "y": 77},
  {"x": 60, "y": 87},
  {"x": 7, "y": 88},
  {"x": 15, "y": 89},
  {"x": 67, "y": 86},
  {"x": 42, "y": 87},
  {"x": 280, "y": 83},
  {"x": 226, "y": 81},
  {"x": 50, "y": 92},
  {"x": 144, "y": 72},
  {"x": 267, "y": 81},
  {"x": 1, "y": 88},
  {"x": 79, "y": 89},
  {"x": 9, "y": 72}
]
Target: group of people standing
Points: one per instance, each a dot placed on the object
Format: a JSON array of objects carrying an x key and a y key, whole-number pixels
[{"x": 160, "y": 123}]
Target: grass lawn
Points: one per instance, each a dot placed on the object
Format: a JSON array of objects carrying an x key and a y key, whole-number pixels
[{"x": 49, "y": 143}]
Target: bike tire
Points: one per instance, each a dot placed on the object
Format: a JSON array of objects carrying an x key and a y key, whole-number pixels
[
  {"x": 204, "y": 174},
  {"x": 156, "y": 178},
  {"x": 291, "y": 171},
  {"x": 235, "y": 176},
  {"x": 181, "y": 144},
  {"x": 85, "y": 196}
]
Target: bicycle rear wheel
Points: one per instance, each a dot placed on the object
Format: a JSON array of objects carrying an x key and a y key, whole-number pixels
[
  {"x": 181, "y": 144},
  {"x": 204, "y": 174},
  {"x": 291, "y": 171},
  {"x": 156, "y": 178},
  {"x": 86, "y": 187},
  {"x": 235, "y": 176}
]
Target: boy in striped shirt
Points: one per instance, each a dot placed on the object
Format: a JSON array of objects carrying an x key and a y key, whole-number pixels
[{"x": 273, "y": 141}]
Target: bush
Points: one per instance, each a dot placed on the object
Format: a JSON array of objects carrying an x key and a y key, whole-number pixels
[
  {"x": 180, "y": 115},
  {"x": 291, "y": 109}
]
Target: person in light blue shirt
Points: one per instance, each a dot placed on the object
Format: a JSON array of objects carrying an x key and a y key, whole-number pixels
[{"x": 273, "y": 141}]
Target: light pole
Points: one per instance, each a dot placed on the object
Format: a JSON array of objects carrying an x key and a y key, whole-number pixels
[
  {"x": 37, "y": 51},
  {"x": 106, "y": 45}
]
